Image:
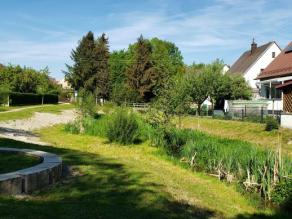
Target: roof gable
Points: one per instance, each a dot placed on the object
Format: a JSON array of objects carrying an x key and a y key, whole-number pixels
[
  {"x": 247, "y": 59},
  {"x": 280, "y": 67}
]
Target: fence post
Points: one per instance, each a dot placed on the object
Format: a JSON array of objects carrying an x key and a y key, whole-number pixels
[
  {"x": 262, "y": 114},
  {"x": 242, "y": 114},
  {"x": 244, "y": 110}
]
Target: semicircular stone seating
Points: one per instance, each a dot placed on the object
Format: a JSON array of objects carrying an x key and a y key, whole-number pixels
[{"x": 33, "y": 178}]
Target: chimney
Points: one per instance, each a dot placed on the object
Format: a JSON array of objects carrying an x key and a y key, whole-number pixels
[{"x": 253, "y": 46}]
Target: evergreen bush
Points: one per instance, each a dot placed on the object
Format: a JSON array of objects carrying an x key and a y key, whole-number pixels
[
  {"x": 271, "y": 123},
  {"x": 123, "y": 127}
]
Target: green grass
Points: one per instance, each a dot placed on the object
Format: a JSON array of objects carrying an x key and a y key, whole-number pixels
[
  {"x": 5, "y": 108},
  {"x": 10, "y": 162},
  {"x": 110, "y": 181},
  {"x": 27, "y": 113},
  {"x": 247, "y": 131}
]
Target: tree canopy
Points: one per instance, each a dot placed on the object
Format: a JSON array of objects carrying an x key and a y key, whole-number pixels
[
  {"x": 148, "y": 70},
  {"x": 26, "y": 80}
]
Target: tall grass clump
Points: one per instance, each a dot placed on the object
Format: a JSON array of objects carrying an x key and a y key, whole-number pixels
[
  {"x": 91, "y": 126},
  {"x": 233, "y": 160},
  {"x": 123, "y": 127},
  {"x": 171, "y": 139}
]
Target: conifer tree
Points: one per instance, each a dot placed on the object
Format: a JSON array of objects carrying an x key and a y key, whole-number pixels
[
  {"x": 84, "y": 64},
  {"x": 142, "y": 75},
  {"x": 102, "y": 57}
]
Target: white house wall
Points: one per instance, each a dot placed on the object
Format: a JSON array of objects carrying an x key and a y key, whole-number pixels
[
  {"x": 286, "y": 121},
  {"x": 261, "y": 63}
]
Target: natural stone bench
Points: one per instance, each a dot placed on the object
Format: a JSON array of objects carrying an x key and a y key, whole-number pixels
[{"x": 34, "y": 178}]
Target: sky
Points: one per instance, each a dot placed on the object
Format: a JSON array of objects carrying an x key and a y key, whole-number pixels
[{"x": 40, "y": 33}]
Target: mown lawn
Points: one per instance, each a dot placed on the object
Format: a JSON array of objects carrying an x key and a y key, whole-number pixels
[
  {"x": 27, "y": 113},
  {"x": 5, "y": 108},
  {"x": 247, "y": 131},
  {"x": 12, "y": 161},
  {"x": 113, "y": 181}
]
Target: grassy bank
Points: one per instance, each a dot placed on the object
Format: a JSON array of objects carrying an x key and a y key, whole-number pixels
[
  {"x": 247, "y": 131},
  {"x": 27, "y": 113},
  {"x": 110, "y": 181},
  {"x": 12, "y": 161}
]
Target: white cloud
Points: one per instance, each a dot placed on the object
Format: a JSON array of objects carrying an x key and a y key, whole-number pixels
[{"x": 225, "y": 25}]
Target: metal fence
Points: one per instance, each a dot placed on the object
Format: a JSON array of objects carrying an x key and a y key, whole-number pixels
[
  {"x": 248, "y": 113},
  {"x": 138, "y": 106}
]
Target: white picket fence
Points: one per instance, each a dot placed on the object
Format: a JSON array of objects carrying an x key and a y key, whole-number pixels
[{"x": 139, "y": 106}]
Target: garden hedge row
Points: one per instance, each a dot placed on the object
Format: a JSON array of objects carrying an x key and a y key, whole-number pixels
[{"x": 30, "y": 99}]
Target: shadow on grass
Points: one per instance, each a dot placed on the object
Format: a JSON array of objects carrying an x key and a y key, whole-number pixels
[{"x": 99, "y": 188}]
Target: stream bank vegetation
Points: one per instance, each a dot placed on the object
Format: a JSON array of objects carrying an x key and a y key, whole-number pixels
[{"x": 266, "y": 173}]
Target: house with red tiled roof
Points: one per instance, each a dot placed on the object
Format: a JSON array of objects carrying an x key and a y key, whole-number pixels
[
  {"x": 252, "y": 61},
  {"x": 276, "y": 83}
]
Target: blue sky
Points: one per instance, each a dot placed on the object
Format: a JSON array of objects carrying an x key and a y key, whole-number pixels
[{"x": 40, "y": 33}]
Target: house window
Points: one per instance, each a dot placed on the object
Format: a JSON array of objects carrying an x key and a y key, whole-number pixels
[
  {"x": 273, "y": 54},
  {"x": 271, "y": 92}
]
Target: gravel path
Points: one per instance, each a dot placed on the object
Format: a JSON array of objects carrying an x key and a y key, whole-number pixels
[{"x": 22, "y": 129}]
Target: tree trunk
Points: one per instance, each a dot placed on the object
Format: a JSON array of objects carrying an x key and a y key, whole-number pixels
[
  {"x": 199, "y": 109},
  {"x": 42, "y": 99},
  {"x": 8, "y": 103}
]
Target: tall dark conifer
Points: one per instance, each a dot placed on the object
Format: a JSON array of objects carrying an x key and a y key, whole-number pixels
[
  {"x": 142, "y": 75},
  {"x": 84, "y": 64},
  {"x": 102, "y": 55}
]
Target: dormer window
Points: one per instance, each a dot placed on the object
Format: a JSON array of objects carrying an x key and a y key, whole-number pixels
[{"x": 273, "y": 54}]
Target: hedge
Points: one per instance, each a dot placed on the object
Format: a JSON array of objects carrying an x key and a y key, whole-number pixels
[{"x": 30, "y": 99}]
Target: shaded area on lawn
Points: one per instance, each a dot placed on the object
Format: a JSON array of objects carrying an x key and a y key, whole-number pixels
[
  {"x": 97, "y": 188},
  {"x": 10, "y": 162}
]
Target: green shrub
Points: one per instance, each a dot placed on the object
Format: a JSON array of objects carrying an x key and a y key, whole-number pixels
[
  {"x": 271, "y": 123},
  {"x": 96, "y": 126},
  {"x": 73, "y": 127},
  {"x": 173, "y": 140},
  {"x": 86, "y": 103},
  {"x": 123, "y": 127},
  {"x": 282, "y": 193}
]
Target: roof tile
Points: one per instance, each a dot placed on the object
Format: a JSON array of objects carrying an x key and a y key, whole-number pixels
[
  {"x": 280, "y": 67},
  {"x": 247, "y": 59}
]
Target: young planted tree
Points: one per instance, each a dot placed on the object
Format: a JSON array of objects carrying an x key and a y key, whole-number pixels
[
  {"x": 142, "y": 75},
  {"x": 198, "y": 90},
  {"x": 174, "y": 99},
  {"x": 42, "y": 89}
]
